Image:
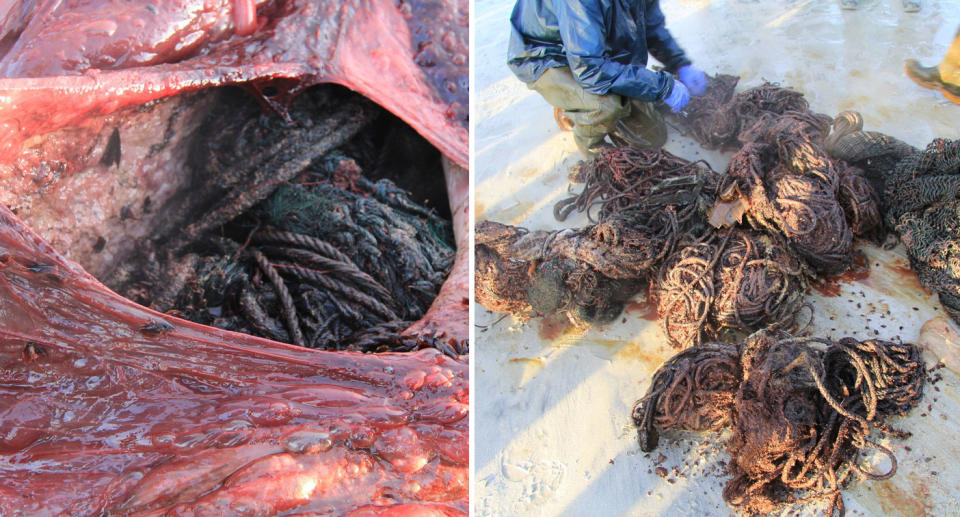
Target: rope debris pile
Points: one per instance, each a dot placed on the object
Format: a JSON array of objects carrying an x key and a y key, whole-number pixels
[
  {"x": 650, "y": 211},
  {"x": 790, "y": 183},
  {"x": 327, "y": 261},
  {"x": 629, "y": 182},
  {"x": 803, "y": 411},
  {"x": 693, "y": 391},
  {"x": 705, "y": 118},
  {"x": 859, "y": 202},
  {"x": 641, "y": 203},
  {"x": 717, "y": 118},
  {"x": 736, "y": 281},
  {"x": 587, "y": 273},
  {"x": 794, "y": 189},
  {"x": 804, "y": 208}
]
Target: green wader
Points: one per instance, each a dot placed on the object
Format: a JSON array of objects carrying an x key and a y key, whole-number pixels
[{"x": 627, "y": 121}]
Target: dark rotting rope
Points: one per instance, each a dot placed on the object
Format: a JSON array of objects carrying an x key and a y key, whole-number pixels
[
  {"x": 284, "y": 160},
  {"x": 289, "y": 311},
  {"x": 693, "y": 390},
  {"x": 625, "y": 180},
  {"x": 302, "y": 241},
  {"x": 342, "y": 269},
  {"x": 721, "y": 120},
  {"x": 859, "y": 202},
  {"x": 387, "y": 192},
  {"x": 686, "y": 291},
  {"x": 587, "y": 273},
  {"x": 389, "y": 337},
  {"x": 341, "y": 252},
  {"x": 792, "y": 185},
  {"x": 332, "y": 284},
  {"x": 793, "y": 191},
  {"x": 703, "y": 118},
  {"x": 349, "y": 260},
  {"x": 258, "y": 318}
]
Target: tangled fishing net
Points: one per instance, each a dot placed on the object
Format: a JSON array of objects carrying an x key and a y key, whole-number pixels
[
  {"x": 316, "y": 263},
  {"x": 735, "y": 281},
  {"x": 919, "y": 191},
  {"x": 803, "y": 411},
  {"x": 717, "y": 118},
  {"x": 924, "y": 188},
  {"x": 790, "y": 183},
  {"x": 644, "y": 202},
  {"x": 793, "y": 188},
  {"x": 311, "y": 252}
]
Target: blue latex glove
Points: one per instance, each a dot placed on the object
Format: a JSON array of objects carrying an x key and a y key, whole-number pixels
[
  {"x": 694, "y": 78},
  {"x": 678, "y": 98}
]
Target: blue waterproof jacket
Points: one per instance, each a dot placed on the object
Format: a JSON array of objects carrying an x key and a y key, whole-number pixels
[{"x": 604, "y": 42}]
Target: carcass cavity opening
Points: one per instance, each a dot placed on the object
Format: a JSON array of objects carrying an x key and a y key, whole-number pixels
[{"x": 327, "y": 227}]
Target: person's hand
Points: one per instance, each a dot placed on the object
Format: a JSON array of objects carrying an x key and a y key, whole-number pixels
[
  {"x": 693, "y": 78},
  {"x": 678, "y": 98}
]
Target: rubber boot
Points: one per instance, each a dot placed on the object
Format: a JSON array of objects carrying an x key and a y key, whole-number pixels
[
  {"x": 643, "y": 128},
  {"x": 588, "y": 146},
  {"x": 950, "y": 66},
  {"x": 944, "y": 77},
  {"x": 563, "y": 121}
]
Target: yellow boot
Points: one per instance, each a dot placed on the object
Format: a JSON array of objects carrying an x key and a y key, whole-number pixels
[
  {"x": 950, "y": 67},
  {"x": 944, "y": 77}
]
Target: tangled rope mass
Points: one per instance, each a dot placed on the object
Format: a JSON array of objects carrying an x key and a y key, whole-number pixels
[
  {"x": 587, "y": 273},
  {"x": 733, "y": 281},
  {"x": 703, "y": 284},
  {"x": 694, "y": 391},
  {"x": 293, "y": 270},
  {"x": 717, "y": 119},
  {"x": 647, "y": 201},
  {"x": 625, "y": 181},
  {"x": 803, "y": 411},
  {"x": 793, "y": 188},
  {"x": 782, "y": 179},
  {"x": 790, "y": 183}
]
